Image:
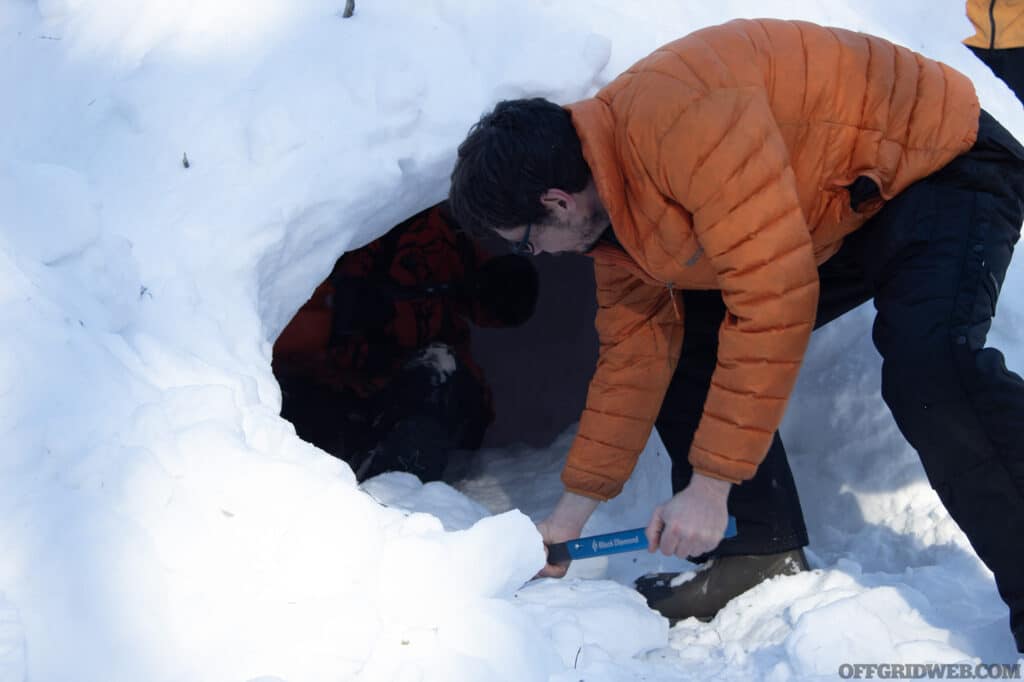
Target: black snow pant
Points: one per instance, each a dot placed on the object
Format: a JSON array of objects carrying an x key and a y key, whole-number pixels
[
  {"x": 433, "y": 405},
  {"x": 933, "y": 260},
  {"x": 1007, "y": 64}
]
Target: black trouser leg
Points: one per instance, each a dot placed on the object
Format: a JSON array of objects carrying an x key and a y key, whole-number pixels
[
  {"x": 936, "y": 257},
  {"x": 336, "y": 422},
  {"x": 766, "y": 508}
]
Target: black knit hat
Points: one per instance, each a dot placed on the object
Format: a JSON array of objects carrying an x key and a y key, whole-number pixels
[{"x": 507, "y": 287}]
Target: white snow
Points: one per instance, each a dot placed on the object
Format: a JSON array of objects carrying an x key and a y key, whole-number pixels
[{"x": 159, "y": 521}]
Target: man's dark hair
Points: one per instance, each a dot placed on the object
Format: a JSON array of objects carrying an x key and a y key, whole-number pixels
[{"x": 509, "y": 159}]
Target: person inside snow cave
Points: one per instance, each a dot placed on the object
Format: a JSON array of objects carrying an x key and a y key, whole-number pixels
[{"x": 376, "y": 368}]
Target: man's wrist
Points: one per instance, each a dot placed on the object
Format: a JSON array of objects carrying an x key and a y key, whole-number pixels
[
  {"x": 572, "y": 511},
  {"x": 714, "y": 486}
]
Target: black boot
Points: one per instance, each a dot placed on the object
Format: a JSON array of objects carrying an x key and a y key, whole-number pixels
[
  {"x": 1018, "y": 636},
  {"x": 715, "y": 585}
]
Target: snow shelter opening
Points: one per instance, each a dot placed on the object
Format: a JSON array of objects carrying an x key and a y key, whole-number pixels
[{"x": 429, "y": 343}]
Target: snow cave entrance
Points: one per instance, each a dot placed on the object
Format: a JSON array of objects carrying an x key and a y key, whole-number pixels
[{"x": 537, "y": 372}]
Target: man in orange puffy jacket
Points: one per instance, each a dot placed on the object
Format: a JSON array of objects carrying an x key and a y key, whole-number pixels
[
  {"x": 998, "y": 39},
  {"x": 376, "y": 368},
  {"x": 745, "y": 184}
]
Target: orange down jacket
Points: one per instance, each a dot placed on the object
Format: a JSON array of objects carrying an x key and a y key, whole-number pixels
[
  {"x": 998, "y": 24},
  {"x": 723, "y": 160}
]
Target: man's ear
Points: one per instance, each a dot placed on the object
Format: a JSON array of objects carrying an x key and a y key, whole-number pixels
[{"x": 559, "y": 203}]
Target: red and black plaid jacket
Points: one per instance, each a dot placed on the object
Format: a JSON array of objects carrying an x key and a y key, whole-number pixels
[{"x": 420, "y": 266}]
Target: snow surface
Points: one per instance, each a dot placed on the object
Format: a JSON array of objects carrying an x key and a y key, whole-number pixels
[{"x": 160, "y": 522}]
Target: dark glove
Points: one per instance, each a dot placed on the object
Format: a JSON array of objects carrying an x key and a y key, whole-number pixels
[
  {"x": 359, "y": 305},
  {"x": 506, "y": 289}
]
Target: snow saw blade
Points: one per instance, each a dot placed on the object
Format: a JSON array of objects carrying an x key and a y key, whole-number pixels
[{"x": 609, "y": 543}]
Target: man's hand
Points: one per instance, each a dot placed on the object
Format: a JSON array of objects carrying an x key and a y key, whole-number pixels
[
  {"x": 693, "y": 522},
  {"x": 565, "y": 523}
]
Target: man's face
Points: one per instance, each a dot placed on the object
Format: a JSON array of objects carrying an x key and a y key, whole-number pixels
[
  {"x": 548, "y": 238},
  {"x": 574, "y": 229}
]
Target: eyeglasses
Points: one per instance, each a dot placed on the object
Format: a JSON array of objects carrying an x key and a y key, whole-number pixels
[{"x": 523, "y": 247}]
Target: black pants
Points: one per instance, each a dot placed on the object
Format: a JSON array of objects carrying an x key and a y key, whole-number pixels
[
  {"x": 434, "y": 404},
  {"x": 933, "y": 259},
  {"x": 1007, "y": 64}
]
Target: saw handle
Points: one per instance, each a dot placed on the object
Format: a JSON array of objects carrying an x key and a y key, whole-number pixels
[{"x": 558, "y": 553}]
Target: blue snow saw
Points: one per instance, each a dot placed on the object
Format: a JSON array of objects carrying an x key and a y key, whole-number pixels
[{"x": 609, "y": 543}]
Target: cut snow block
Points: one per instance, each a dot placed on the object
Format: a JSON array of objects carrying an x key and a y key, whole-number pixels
[
  {"x": 593, "y": 614},
  {"x": 493, "y": 558}
]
